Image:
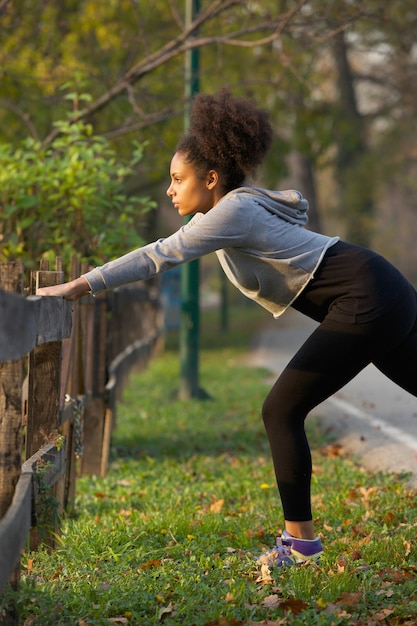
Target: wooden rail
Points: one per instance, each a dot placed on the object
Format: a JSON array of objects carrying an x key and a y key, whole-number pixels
[{"x": 62, "y": 368}]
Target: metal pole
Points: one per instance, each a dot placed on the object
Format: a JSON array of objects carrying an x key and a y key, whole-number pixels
[{"x": 190, "y": 272}]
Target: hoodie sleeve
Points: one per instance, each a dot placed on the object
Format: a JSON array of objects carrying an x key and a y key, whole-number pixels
[{"x": 228, "y": 224}]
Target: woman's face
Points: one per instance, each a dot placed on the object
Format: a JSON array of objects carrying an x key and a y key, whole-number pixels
[{"x": 189, "y": 193}]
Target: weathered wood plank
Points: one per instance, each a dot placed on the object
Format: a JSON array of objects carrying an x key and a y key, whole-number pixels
[
  {"x": 11, "y": 380},
  {"x": 51, "y": 460},
  {"x": 70, "y": 387},
  {"x": 15, "y": 525},
  {"x": 94, "y": 434},
  {"x": 43, "y": 400},
  {"x": 94, "y": 460},
  {"x": 44, "y": 390},
  {"x": 28, "y": 322},
  {"x": 54, "y": 318},
  {"x": 14, "y": 528},
  {"x": 17, "y": 326}
]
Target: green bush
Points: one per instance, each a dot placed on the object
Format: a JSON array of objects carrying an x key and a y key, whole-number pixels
[{"x": 68, "y": 197}]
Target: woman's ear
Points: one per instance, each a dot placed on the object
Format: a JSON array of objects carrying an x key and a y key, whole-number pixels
[{"x": 212, "y": 179}]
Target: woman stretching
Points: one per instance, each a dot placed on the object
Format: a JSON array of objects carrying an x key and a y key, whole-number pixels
[{"x": 366, "y": 308}]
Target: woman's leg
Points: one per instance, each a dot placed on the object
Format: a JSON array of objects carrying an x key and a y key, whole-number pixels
[{"x": 329, "y": 359}]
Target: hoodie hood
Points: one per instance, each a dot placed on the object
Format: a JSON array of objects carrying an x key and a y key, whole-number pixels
[{"x": 289, "y": 205}]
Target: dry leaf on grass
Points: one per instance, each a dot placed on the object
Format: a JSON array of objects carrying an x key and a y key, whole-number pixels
[
  {"x": 151, "y": 563},
  {"x": 265, "y": 577},
  {"x": 279, "y": 622},
  {"x": 349, "y": 599},
  {"x": 167, "y": 611},
  {"x": 216, "y": 506},
  {"x": 271, "y": 602},
  {"x": 293, "y": 605}
]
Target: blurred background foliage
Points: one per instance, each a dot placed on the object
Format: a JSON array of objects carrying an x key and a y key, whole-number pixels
[{"x": 337, "y": 77}]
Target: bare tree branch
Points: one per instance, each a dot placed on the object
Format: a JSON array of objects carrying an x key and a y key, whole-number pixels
[
  {"x": 177, "y": 17},
  {"x": 21, "y": 114},
  {"x": 340, "y": 28},
  {"x": 256, "y": 35},
  {"x": 182, "y": 43},
  {"x": 147, "y": 120}
]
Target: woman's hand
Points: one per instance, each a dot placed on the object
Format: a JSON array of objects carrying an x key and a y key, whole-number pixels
[{"x": 70, "y": 291}]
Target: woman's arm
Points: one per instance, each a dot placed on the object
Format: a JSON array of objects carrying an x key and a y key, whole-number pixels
[
  {"x": 70, "y": 291},
  {"x": 227, "y": 224}
]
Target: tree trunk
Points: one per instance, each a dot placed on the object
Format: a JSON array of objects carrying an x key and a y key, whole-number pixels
[
  {"x": 356, "y": 191},
  {"x": 303, "y": 174}
]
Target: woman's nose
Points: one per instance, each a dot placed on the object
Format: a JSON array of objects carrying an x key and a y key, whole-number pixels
[{"x": 169, "y": 190}]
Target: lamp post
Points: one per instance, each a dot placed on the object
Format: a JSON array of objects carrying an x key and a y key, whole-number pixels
[{"x": 190, "y": 272}]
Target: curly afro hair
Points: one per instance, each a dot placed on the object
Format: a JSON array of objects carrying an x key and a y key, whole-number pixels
[{"x": 228, "y": 134}]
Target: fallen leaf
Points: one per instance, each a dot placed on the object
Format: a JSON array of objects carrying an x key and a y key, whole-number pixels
[
  {"x": 216, "y": 506},
  {"x": 382, "y": 615},
  {"x": 124, "y": 482},
  {"x": 401, "y": 576},
  {"x": 366, "y": 494},
  {"x": 293, "y": 605},
  {"x": 341, "y": 565},
  {"x": 389, "y": 517},
  {"x": 265, "y": 578},
  {"x": 271, "y": 602},
  {"x": 166, "y": 612},
  {"x": 355, "y": 555},
  {"x": 333, "y": 450},
  {"x": 349, "y": 599},
  {"x": 151, "y": 563},
  {"x": 58, "y": 573},
  {"x": 267, "y": 622},
  {"x": 387, "y": 593}
]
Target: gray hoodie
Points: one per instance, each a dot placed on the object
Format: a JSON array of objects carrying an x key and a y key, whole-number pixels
[{"x": 258, "y": 236}]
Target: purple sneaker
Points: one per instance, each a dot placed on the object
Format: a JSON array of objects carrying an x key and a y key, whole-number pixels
[{"x": 292, "y": 551}]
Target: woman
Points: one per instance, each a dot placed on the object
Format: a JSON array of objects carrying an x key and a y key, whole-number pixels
[{"x": 367, "y": 310}]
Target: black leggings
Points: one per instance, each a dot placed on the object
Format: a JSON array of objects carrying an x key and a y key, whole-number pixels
[{"x": 368, "y": 314}]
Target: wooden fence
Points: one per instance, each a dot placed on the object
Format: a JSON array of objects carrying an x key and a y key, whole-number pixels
[{"x": 62, "y": 369}]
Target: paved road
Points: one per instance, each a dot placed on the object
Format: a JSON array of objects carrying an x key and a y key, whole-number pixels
[{"x": 371, "y": 417}]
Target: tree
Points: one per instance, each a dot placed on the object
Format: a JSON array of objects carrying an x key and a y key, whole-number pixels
[
  {"x": 288, "y": 54},
  {"x": 101, "y": 41}
]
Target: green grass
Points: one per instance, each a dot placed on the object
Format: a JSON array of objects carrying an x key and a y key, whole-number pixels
[{"x": 170, "y": 534}]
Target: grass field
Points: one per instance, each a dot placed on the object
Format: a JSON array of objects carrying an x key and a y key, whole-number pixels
[{"x": 170, "y": 535}]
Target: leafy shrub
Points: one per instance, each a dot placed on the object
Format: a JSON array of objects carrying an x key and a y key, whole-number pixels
[{"x": 68, "y": 197}]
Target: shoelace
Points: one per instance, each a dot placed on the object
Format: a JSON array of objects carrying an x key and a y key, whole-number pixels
[{"x": 280, "y": 553}]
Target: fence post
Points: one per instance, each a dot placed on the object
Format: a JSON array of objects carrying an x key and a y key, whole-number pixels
[
  {"x": 71, "y": 388},
  {"x": 96, "y": 416},
  {"x": 44, "y": 400},
  {"x": 11, "y": 377}
]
